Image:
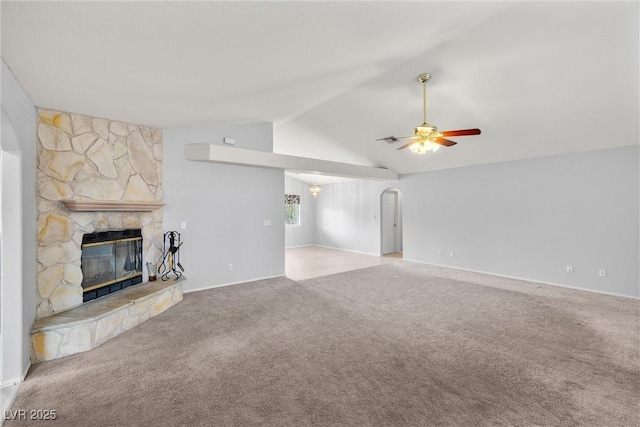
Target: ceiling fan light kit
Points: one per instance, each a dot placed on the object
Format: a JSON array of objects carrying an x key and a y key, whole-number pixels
[
  {"x": 426, "y": 136},
  {"x": 423, "y": 146}
]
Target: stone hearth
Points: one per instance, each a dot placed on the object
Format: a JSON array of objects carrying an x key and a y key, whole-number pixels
[{"x": 93, "y": 323}]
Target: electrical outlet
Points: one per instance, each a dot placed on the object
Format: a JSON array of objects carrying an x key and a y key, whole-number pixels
[
  {"x": 229, "y": 141},
  {"x": 183, "y": 225},
  {"x": 267, "y": 222},
  {"x": 230, "y": 267},
  {"x": 569, "y": 269},
  {"x": 602, "y": 273},
  {"x": 439, "y": 251},
  {"x": 452, "y": 253}
]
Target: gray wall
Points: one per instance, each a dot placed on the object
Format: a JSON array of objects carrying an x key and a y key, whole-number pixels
[
  {"x": 303, "y": 234},
  {"x": 224, "y": 207},
  {"x": 526, "y": 219},
  {"x": 532, "y": 218},
  {"x": 19, "y": 226},
  {"x": 348, "y": 215}
]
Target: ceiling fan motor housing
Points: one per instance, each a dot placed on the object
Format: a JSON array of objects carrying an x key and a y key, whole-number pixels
[
  {"x": 424, "y": 77},
  {"x": 425, "y": 129}
]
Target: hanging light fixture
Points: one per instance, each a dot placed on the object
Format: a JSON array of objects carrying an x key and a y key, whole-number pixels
[
  {"x": 424, "y": 133},
  {"x": 315, "y": 188}
]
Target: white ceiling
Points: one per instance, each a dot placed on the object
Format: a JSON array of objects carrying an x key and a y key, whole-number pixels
[{"x": 539, "y": 78}]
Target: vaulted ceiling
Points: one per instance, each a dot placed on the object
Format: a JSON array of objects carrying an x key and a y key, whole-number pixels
[{"x": 539, "y": 78}]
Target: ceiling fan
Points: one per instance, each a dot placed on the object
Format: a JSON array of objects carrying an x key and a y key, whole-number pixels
[{"x": 426, "y": 136}]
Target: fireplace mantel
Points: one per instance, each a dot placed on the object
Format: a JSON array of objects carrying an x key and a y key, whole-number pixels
[{"x": 110, "y": 206}]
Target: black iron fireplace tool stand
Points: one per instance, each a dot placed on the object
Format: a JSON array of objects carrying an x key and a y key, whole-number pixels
[{"x": 171, "y": 258}]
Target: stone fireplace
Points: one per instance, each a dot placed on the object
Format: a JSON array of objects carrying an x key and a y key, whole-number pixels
[
  {"x": 88, "y": 158},
  {"x": 94, "y": 176}
]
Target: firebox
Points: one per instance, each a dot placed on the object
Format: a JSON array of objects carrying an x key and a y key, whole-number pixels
[{"x": 111, "y": 261}]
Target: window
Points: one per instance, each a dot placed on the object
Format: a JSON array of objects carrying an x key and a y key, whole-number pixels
[{"x": 292, "y": 209}]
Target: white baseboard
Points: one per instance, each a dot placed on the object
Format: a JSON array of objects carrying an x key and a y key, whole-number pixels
[
  {"x": 347, "y": 250},
  {"x": 524, "y": 279},
  {"x": 9, "y": 392},
  {"x": 188, "y": 291},
  {"x": 18, "y": 380},
  {"x": 299, "y": 246}
]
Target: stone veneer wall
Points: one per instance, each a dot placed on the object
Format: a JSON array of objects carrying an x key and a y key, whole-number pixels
[{"x": 82, "y": 157}]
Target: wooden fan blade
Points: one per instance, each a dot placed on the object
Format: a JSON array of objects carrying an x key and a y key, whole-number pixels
[
  {"x": 442, "y": 141},
  {"x": 406, "y": 145},
  {"x": 462, "y": 132}
]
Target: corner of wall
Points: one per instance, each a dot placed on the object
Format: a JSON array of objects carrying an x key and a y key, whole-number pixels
[{"x": 20, "y": 112}]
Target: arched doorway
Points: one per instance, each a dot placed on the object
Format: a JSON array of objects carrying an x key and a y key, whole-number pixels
[{"x": 391, "y": 222}]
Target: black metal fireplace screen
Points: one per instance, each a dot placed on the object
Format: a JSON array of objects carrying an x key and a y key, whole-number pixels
[{"x": 111, "y": 261}]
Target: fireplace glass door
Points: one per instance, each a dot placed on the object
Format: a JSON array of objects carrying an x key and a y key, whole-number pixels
[{"x": 110, "y": 262}]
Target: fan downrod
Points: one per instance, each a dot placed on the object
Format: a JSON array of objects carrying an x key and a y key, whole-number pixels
[{"x": 423, "y": 78}]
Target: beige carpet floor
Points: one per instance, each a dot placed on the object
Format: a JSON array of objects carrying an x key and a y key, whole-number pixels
[{"x": 392, "y": 345}]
